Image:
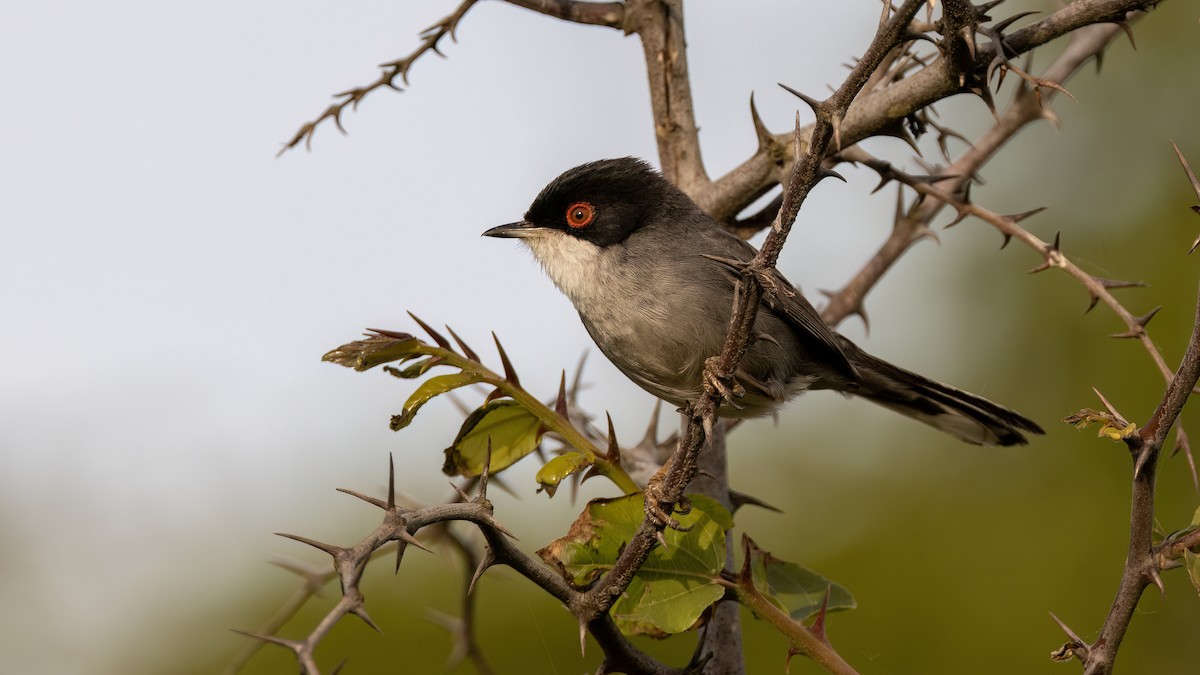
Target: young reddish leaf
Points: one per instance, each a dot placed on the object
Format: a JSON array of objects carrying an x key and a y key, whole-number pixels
[{"x": 375, "y": 350}]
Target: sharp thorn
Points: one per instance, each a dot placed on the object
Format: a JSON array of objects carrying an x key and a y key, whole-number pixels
[
  {"x": 651, "y": 438},
  {"x": 818, "y": 107},
  {"x": 1117, "y": 283},
  {"x": 403, "y": 535},
  {"x": 1145, "y": 318},
  {"x": 1124, "y": 25},
  {"x": 662, "y": 541},
  {"x": 614, "y": 450},
  {"x": 394, "y": 334},
  {"x": 968, "y": 37},
  {"x": 293, "y": 645},
  {"x": 999, "y": 27},
  {"x": 332, "y": 550},
  {"x": 560, "y": 402},
  {"x": 1067, "y": 629},
  {"x": 401, "y": 547},
  {"x": 509, "y": 373},
  {"x": 960, "y": 214},
  {"x": 818, "y": 626},
  {"x": 391, "y": 498},
  {"x": 486, "y": 561},
  {"x": 765, "y": 140},
  {"x": 1109, "y": 407},
  {"x": 495, "y": 524},
  {"x": 361, "y": 613},
  {"x": 830, "y": 173},
  {"x": 1143, "y": 457},
  {"x": 923, "y": 232},
  {"x": 740, "y": 499},
  {"x": 437, "y": 337},
  {"x": 1157, "y": 579},
  {"x": 370, "y": 500},
  {"x": 462, "y": 496},
  {"x": 1018, "y": 217},
  {"x": 767, "y": 337},
  {"x": 467, "y": 351}
]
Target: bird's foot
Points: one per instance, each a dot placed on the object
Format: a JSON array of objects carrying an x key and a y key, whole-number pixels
[
  {"x": 659, "y": 510},
  {"x": 727, "y": 387}
]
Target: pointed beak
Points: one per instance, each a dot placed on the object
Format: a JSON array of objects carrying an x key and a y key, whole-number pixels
[{"x": 519, "y": 230}]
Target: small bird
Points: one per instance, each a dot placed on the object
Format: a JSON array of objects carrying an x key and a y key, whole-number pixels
[{"x": 653, "y": 279}]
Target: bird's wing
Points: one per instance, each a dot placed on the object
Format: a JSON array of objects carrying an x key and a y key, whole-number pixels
[{"x": 784, "y": 299}]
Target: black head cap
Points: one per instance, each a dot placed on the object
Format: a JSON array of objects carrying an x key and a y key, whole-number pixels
[{"x": 605, "y": 201}]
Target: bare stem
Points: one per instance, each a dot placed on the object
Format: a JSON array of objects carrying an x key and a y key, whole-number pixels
[
  {"x": 1141, "y": 564},
  {"x": 659, "y": 24}
]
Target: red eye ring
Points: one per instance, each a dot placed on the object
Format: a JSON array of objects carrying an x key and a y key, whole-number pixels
[{"x": 581, "y": 214}]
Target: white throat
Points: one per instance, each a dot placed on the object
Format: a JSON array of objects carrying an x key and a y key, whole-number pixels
[{"x": 571, "y": 263}]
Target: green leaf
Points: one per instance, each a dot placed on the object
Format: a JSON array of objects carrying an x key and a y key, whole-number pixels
[
  {"x": 796, "y": 590},
  {"x": 375, "y": 350},
  {"x": 512, "y": 430},
  {"x": 677, "y": 582},
  {"x": 553, "y": 472},
  {"x": 430, "y": 388},
  {"x": 1190, "y": 560}
]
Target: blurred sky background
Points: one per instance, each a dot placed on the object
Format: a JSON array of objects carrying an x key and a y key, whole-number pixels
[{"x": 169, "y": 285}]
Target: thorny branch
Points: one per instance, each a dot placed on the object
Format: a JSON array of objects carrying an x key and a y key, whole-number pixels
[
  {"x": 880, "y": 110},
  {"x": 389, "y": 72},
  {"x": 400, "y": 525},
  {"x": 884, "y": 109},
  {"x": 609, "y": 14},
  {"x": 1099, "y": 289},
  {"x": 1144, "y": 560},
  {"x": 912, "y": 225}
]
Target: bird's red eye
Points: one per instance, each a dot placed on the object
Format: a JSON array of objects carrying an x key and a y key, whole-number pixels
[{"x": 581, "y": 214}]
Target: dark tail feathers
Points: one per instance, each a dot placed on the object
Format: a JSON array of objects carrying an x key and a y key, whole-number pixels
[{"x": 965, "y": 416}]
